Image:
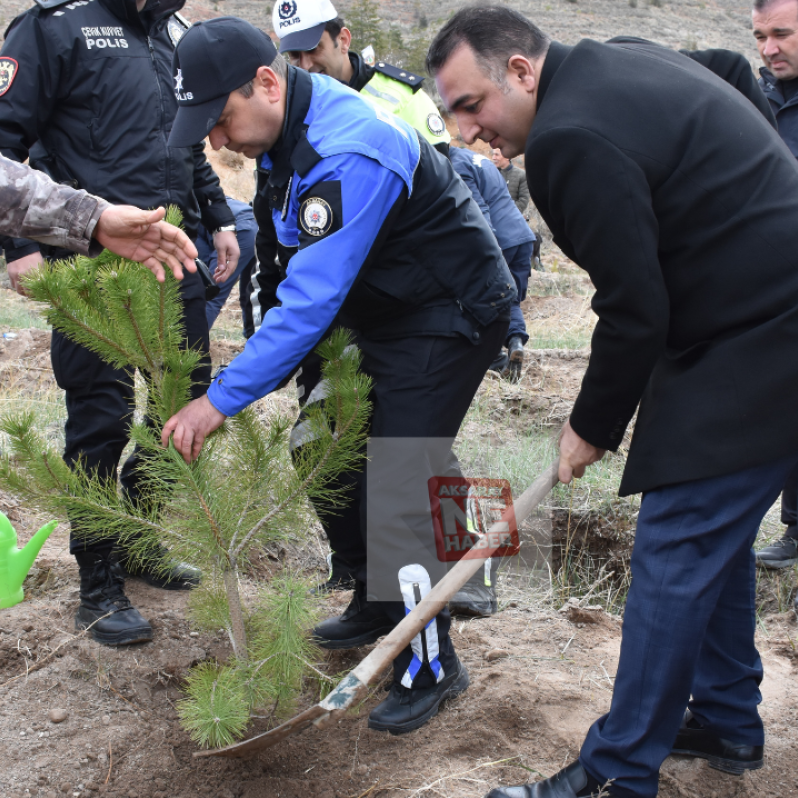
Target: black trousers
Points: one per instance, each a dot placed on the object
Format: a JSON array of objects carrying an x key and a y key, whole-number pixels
[
  {"x": 422, "y": 389},
  {"x": 100, "y": 402}
]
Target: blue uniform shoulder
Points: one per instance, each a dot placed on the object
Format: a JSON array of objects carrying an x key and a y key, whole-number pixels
[{"x": 402, "y": 75}]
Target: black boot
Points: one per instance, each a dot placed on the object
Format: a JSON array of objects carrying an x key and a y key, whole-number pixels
[
  {"x": 476, "y": 598},
  {"x": 104, "y": 608},
  {"x": 407, "y": 709},
  {"x": 158, "y": 569},
  {"x": 362, "y": 622}
]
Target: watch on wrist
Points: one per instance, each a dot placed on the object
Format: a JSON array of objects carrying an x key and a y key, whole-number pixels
[{"x": 228, "y": 228}]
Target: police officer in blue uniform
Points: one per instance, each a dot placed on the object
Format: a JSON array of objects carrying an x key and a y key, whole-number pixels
[
  {"x": 86, "y": 89},
  {"x": 389, "y": 243}
]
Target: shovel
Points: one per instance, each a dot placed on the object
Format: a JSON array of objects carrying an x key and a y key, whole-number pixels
[{"x": 355, "y": 686}]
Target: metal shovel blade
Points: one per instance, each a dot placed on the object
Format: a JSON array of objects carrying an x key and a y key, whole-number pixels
[{"x": 355, "y": 686}]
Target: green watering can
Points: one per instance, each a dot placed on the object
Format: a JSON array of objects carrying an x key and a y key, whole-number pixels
[{"x": 14, "y": 562}]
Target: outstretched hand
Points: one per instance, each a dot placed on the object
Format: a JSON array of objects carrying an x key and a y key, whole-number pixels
[
  {"x": 143, "y": 236},
  {"x": 191, "y": 426},
  {"x": 576, "y": 454}
]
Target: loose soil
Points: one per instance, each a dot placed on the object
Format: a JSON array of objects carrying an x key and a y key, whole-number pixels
[{"x": 539, "y": 677}]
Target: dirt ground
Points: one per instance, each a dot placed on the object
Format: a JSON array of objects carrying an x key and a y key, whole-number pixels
[{"x": 539, "y": 676}]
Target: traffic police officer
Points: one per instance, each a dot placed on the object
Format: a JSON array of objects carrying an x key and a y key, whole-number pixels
[
  {"x": 390, "y": 244},
  {"x": 89, "y": 88},
  {"x": 314, "y": 37}
]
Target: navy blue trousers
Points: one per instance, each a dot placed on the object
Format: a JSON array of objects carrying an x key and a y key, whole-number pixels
[
  {"x": 688, "y": 628},
  {"x": 519, "y": 261}
]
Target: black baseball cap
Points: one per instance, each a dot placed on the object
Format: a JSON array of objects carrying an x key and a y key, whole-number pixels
[{"x": 213, "y": 58}]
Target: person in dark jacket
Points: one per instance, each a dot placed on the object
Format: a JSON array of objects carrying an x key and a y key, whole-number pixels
[
  {"x": 384, "y": 239},
  {"x": 515, "y": 179},
  {"x": 86, "y": 89},
  {"x": 668, "y": 205},
  {"x": 515, "y": 238},
  {"x": 776, "y": 33}
]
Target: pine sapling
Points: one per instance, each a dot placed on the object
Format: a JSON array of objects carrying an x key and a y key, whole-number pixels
[{"x": 240, "y": 495}]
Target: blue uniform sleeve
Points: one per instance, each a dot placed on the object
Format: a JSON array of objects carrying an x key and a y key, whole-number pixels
[{"x": 331, "y": 253}]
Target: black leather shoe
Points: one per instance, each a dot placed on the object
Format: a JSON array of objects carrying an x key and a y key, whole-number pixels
[
  {"x": 475, "y": 599},
  {"x": 407, "y": 709},
  {"x": 571, "y": 782},
  {"x": 158, "y": 569},
  {"x": 103, "y": 603},
  {"x": 362, "y": 622},
  {"x": 694, "y": 740},
  {"x": 515, "y": 350}
]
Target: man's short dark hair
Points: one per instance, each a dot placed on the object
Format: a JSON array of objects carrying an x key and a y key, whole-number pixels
[
  {"x": 494, "y": 33},
  {"x": 761, "y": 5},
  {"x": 334, "y": 28}
]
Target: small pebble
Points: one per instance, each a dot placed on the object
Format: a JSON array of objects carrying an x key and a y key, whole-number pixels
[
  {"x": 57, "y": 715},
  {"x": 496, "y": 653},
  {"x": 106, "y": 720},
  {"x": 193, "y": 634}
]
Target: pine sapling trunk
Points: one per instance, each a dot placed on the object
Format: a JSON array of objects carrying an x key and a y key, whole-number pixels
[{"x": 238, "y": 633}]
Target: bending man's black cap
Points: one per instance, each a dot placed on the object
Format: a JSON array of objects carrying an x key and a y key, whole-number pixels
[{"x": 213, "y": 58}]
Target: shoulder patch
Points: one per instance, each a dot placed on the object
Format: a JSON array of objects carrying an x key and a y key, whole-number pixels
[
  {"x": 8, "y": 71},
  {"x": 435, "y": 125},
  {"x": 320, "y": 212},
  {"x": 402, "y": 75},
  {"x": 176, "y": 27}
]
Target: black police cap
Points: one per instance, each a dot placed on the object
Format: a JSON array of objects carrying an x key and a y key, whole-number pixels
[{"x": 213, "y": 58}]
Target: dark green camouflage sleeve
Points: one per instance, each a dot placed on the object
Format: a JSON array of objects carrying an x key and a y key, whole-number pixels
[{"x": 33, "y": 206}]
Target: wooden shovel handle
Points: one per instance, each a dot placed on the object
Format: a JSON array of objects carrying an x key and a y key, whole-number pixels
[{"x": 355, "y": 685}]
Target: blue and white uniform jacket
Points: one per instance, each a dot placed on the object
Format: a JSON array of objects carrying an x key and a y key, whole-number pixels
[{"x": 382, "y": 237}]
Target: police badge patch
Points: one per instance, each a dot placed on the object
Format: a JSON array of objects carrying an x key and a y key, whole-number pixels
[
  {"x": 316, "y": 217},
  {"x": 436, "y": 125},
  {"x": 287, "y": 9},
  {"x": 8, "y": 71},
  {"x": 175, "y": 29}
]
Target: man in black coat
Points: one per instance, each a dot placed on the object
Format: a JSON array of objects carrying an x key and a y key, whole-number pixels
[{"x": 670, "y": 188}]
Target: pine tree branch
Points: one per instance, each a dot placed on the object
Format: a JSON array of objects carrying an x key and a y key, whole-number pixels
[
  {"x": 139, "y": 337},
  {"x": 59, "y": 306},
  {"x": 53, "y": 476},
  {"x": 300, "y": 489}
]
